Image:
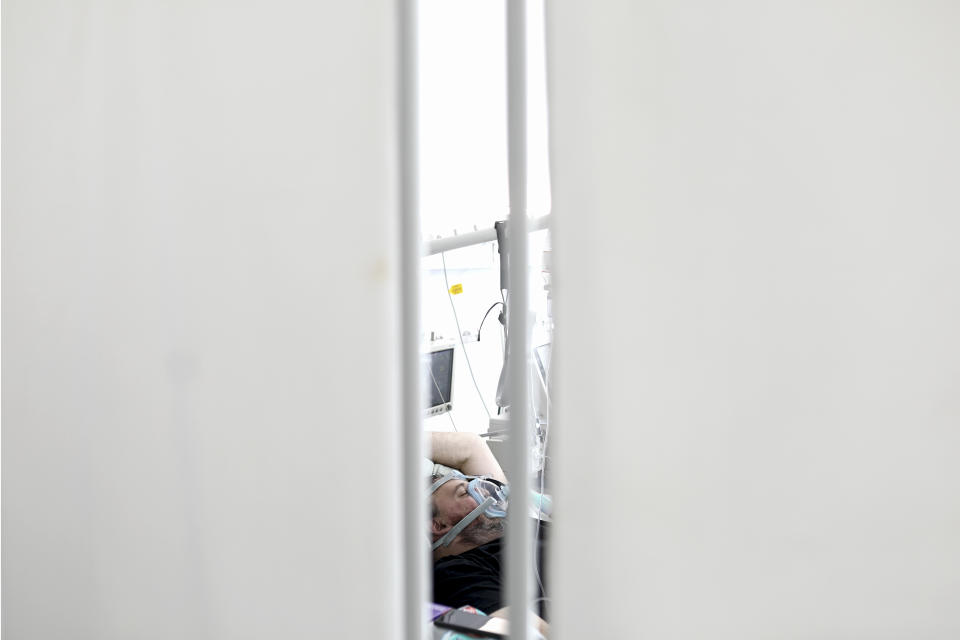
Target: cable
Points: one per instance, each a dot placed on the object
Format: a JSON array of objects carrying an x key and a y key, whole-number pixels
[
  {"x": 485, "y": 317},
  {"x": 446, "y": 281},
  {"x": 536, "y": 533},
  {"x": 442, "y": 401},
  {"x": 543, "y": 479}
]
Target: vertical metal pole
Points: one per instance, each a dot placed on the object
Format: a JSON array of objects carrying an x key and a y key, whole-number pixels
[
  {"x": 415, "y": 568},
  {"x": 519, "y": 528}
]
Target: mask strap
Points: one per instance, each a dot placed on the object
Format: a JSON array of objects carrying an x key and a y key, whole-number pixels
[
  {"x": 439, "y": 483},
  {"x": 460, "y": 526}
]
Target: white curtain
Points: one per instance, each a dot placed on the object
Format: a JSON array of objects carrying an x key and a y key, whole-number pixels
[
  {"x": 199, "y": 276},
  {"x": 757, "y": 355}
]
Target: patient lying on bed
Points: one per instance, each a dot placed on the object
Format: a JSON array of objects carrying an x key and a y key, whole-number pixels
[{"x": 468, "y": 555}]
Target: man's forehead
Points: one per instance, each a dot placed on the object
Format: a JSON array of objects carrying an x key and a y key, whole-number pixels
[
  {"x": 451, "y": 486},
  {"x": 448, "y": 491}
]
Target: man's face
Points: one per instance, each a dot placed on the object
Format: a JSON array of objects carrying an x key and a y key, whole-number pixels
[{"x": 452, "y": 502}]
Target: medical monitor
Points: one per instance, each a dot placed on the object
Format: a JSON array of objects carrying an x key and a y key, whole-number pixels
[{"x": 438, "y": 383}]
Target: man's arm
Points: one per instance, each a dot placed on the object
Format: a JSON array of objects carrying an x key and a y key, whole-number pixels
[{"x": 467, "y": 452}]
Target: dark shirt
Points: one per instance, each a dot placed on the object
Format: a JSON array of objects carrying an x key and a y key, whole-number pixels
[{"x": 475, "y": 577}]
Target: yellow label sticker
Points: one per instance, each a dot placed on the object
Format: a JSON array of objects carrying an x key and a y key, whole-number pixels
[{"x": 457, "y": 288}]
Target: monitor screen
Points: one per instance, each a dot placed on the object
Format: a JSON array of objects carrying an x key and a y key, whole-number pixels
[{"x": 438, "y": 365}]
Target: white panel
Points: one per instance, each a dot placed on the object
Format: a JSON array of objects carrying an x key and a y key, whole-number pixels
[
  {"x": 198, "y": 320},
  {"x": 758, "y": 362},
  {"x": 463, "y": 115}
]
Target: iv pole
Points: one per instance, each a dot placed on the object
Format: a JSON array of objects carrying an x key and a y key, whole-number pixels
[{"x": 439, "y": 245}]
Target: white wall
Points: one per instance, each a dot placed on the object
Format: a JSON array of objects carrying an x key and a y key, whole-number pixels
[
  {"x": 758, "y": 363},
  {"x": 463, "y": 115},
  {"x": 198, "y": 294}
]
